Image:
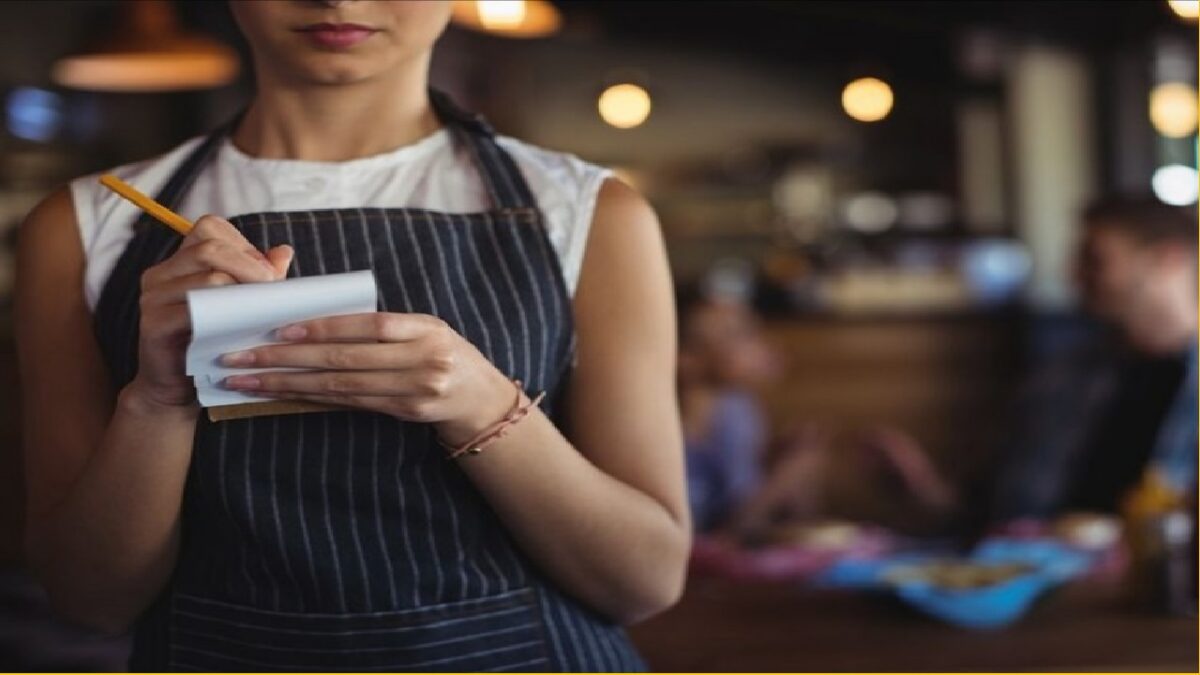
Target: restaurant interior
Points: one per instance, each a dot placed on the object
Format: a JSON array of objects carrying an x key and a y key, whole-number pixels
[{"x": 891, "y": 194}]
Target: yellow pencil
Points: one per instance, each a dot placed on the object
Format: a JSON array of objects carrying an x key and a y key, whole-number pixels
[{"x": 163, "y": 214}]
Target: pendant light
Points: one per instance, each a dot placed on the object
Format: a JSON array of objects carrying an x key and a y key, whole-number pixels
[
  {"x": 508, "y": 18},
  {"x": 149, "y": 52}
]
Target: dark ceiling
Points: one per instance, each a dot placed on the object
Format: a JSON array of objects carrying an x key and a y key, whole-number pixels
[{"x": 912, "y": 35}]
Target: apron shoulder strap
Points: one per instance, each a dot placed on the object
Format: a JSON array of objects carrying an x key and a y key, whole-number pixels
[
  {"x": 185, "y": 174},
  {"x": 505, "y": 184}
]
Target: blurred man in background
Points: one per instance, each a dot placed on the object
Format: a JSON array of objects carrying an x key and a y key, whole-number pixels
[{"x": 1090, "y": 426}]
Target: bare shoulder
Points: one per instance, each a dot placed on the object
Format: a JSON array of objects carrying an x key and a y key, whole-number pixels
[
  {"x": 56, "y": 211},
  {"x": 50, "y": 260},
  {"x": 624, "y": 232},
  {"x": 619, "y": 202}
]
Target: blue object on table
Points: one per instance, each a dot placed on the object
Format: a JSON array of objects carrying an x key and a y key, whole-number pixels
[{"x": 992, "y": 606}]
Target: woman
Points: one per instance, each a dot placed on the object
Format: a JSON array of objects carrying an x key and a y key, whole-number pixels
[{"x": 347, "y": 540}]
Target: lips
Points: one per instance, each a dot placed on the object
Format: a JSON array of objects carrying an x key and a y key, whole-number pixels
[{"x": 337, "y": 35}]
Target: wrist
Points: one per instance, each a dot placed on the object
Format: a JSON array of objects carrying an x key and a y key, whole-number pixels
[
  {"x": 136, "y": 400},
  {"x": 494, "y": 400}
]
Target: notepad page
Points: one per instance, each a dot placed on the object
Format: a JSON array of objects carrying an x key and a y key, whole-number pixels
[{"x": 241, "y": 316}]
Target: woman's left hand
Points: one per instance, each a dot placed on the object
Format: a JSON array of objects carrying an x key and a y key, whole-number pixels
[{"x": 411, "y": 366}]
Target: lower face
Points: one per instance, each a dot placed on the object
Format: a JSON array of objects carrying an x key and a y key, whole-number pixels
[{"x": 339, "y": 43}]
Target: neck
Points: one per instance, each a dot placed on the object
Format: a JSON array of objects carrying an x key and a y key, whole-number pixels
[{"x": 334, "y": 123}]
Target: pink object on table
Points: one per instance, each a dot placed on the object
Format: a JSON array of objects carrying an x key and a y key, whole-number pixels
[{"x": 780, "y": 562}]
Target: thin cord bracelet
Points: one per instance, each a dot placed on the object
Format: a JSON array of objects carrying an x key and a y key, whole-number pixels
[{"x": 498, "y": 429}]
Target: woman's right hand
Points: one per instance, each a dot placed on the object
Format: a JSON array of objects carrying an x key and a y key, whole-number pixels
[{"x": 213, "y": 254}]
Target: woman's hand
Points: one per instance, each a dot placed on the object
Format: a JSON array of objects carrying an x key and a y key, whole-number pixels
[
  {"x": 213, "y": 254},
  {"x": 411, "y": 366}
]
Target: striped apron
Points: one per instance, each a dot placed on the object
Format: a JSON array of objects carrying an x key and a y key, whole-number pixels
[{"x": 345, "y": 540}]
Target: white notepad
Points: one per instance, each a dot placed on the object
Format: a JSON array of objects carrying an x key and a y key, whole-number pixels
[{"x": 241, "y": 316}]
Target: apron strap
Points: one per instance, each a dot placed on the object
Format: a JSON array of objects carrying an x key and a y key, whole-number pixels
[
  {"x": 185, "y": 174},
  {"x": 505, "y": 184}
]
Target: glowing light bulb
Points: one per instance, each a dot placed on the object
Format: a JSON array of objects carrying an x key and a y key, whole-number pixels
[
  {"x": 507, "y": 18},
  {"x": 1173, "y": 109},
  {"x": 501, "y": 14},
  {"x": 624, "y": 106},
  {"x": 867, "y": 99},
  {"x": 1188, "y": 9},
  {"x": 1175, "y": 184}
]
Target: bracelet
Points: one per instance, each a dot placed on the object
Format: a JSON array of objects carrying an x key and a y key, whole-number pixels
[{"x": 498, "y": 429}]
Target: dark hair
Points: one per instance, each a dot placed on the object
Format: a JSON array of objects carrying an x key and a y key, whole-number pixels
[{"x": 1143, "y": 217}]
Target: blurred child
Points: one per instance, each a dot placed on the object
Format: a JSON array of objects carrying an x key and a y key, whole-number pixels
[{"x": 722, "y": 357}]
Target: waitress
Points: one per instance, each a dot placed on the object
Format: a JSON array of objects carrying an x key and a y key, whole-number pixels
[{"x": 503, "y": 488}]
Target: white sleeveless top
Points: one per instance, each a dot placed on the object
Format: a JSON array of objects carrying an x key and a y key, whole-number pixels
[{"x": 433, "y": 173}]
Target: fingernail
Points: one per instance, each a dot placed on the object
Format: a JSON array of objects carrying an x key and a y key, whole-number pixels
[
  {"x": 292, "y": 332},
  {"x": 242, "y": 358},
  {"x": 242, "y": 382}
]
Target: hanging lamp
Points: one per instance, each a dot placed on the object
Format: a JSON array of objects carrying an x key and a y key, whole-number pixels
[{"x": 149, "y": 52}]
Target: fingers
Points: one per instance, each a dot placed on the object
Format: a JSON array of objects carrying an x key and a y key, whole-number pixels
[
  {"x": 335, "y": 356},
  {"x": 280, "y": 258},
  {"x": 214, "y": 227},
  {"x": 175, "y": 290},
  {"x": 365, "y": 327},
  {"x": 210, "y": 255},
  {"x": 215, "y": 244},
  {"x": 330, "y": 383}
]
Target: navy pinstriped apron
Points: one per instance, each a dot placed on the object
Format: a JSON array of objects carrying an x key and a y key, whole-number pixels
[{"x": 345, "y": 540}]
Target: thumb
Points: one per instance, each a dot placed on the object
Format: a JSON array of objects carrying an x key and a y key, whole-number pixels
[{"x": 280, "y": 258}]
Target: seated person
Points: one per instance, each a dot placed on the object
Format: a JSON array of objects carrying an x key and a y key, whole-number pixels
[
  {"x": 1091, "y": 423},
  {"x": 723, "y": 358},
  {"x": 1089, "y": 427}
]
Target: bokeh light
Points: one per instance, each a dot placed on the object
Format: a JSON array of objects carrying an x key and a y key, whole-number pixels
[
  {"x": 508, "y": 18},
  {"x": 34, "y": 114},
  {"x": 501, "y": 14},
  {"x": 1173, "y": 109},
  {"x": 1176, "y": 184},
  {"x": 867, "y": 99},
  {"x": 1188, "y": 9},
  {"x": 624, "y": 106}
]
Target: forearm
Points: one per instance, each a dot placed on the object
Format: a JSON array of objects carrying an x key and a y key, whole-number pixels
[
  {"x": 605, "y": 542},
  {"x": 106, "y": 548}
]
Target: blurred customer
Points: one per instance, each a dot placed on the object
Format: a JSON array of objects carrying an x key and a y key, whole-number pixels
[
  {"x": 1091, "y": 424},
  {"x": 722, "y": 357}
]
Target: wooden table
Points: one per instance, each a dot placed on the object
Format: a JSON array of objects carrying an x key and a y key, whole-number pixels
[{"x": 723, "y": 626}]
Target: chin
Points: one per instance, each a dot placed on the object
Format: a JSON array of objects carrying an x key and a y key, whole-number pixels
[{"x": 335, "y": 69}]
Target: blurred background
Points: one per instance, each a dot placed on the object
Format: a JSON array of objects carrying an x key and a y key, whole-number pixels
[{"x": 891, "y": 193}]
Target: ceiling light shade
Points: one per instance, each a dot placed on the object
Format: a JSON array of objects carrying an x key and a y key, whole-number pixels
[
  {"x": 508, "y": 18},
  {"x": 149, "y": 53}
]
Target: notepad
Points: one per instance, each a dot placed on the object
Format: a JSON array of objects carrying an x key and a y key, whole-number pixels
[{"x": 241, "y": 316}]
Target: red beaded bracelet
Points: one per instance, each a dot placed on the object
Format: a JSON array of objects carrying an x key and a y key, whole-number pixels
[{"x": 498, "y": 429}]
